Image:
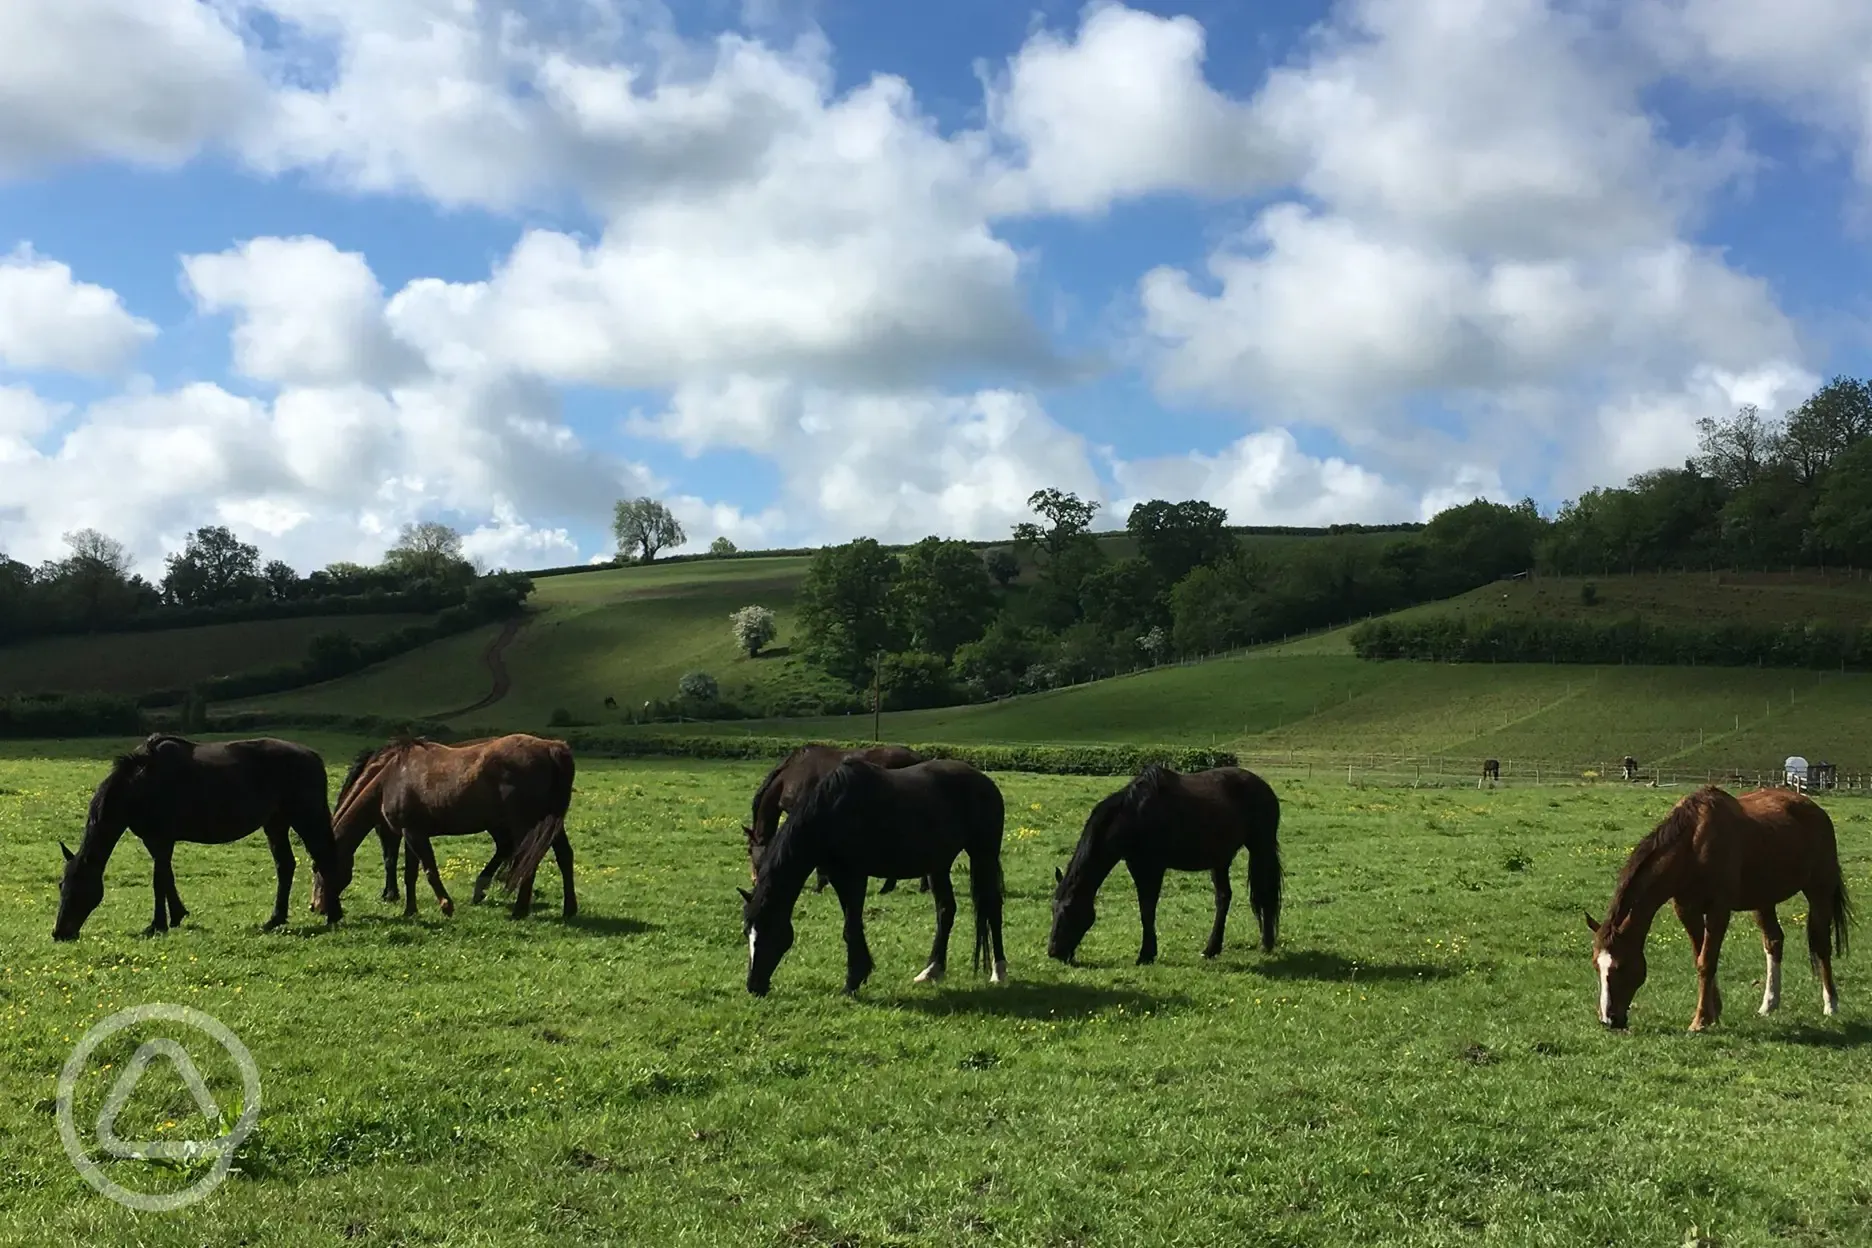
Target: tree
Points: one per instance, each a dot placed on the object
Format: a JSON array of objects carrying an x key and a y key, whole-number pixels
[
  {"x": 845, "y": 611},
  {"x": 721, "y": 546},
  {"x": 1738, "y": 450},
  {"x": 941, "y": 595},
  {"x": 1837, "y": 417},
  {"x": 994, "y": 665},
  {"x": 911, "y": 680},
  {"x": 1125, "y": 594},
  {"x": 1213, "y": 608},
  {"x": 753, "y": 628},
  {"x": 1478, "y": 541},
  {"x": 282, "y": 582},
  {"x": 645, "y": 526},
  {"x": 1842, "y": 517},
  {"x": 429, "y": 551},
  {"x": 94, "y": 584},
  {"x": 1002, "y": 566},
  {"x": 1173, "y": 538},
  {"x": 698, "y": 687},
  {"x": 213, "y": 567},
  {"x": 1064, "y": 550},
  {"x": 1068, "y": 519}
]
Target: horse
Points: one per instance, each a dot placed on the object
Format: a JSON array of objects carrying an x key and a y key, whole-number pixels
[
  {"x": 781, "y": 789},
  {"x": 170, "y": 789},
  {"x": 391, "y": 841},
  {"x": 1712, "y": 854},
  {"x": 610, "y": 703},
  {"x": 1163, "y": 821},
  {"x": 1629, "y": 766},
  {"x": 1491, "y": 771},
  {"x": 862, "y": 820},
  {"x": 517, "y": 786}
]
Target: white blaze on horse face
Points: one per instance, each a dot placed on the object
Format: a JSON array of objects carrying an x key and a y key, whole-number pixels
[
  {"x": 750, "y": 946},
  {"x": 1605, "y": 985},
  {"x": 1771, "y": 986}
]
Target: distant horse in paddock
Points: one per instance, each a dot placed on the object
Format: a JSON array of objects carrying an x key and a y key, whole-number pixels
[
  {"x": 610, "y": 703},
  {"x": 862, "y": 820},
  {"x": 1491, "y": 772},
  {"x": 170, "y": 789},
  {"x": 1163, "y": 821},
  {"x": 517, "y": 787},
  {"x": 1713, "y": 854},
  {"x": 391, "y": 841},
  {"x": 793, "y": 776},
  {"x": 1630, "y": 767}
]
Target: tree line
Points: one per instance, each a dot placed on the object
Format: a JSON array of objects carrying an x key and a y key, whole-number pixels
[{"x": 216, "y": 578}]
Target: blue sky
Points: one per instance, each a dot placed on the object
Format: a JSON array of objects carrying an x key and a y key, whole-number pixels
[{"x": 319, "y": 268}]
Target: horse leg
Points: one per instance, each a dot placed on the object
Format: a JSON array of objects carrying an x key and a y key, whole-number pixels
[
  {"x": 418, "y": 843},
  {"x": 1149, "y": 881},
  {"x": 283, "y": 868},
  {"x": 502, "y": 850},
  {"x": 1709, "y": 996},
  {"x": 850, "y": 886},
  {"x": 389, "y": 841},
  {"x": 1820, "y": 949},
  {"x": 944, "y": 889},
  {"x": 562, "y": 854},
  {"x": 1223, "y": 895},
  {"x": 410, "y": 866},
  {"x": 1771, "y": 945},
  {"x": 890, "y": 886},
  {"x": 162, "y": 883}
]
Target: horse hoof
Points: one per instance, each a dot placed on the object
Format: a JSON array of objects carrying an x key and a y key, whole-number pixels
[
  {"x": 1212, "y": 953},
  {"x": 931, "y": 974},
  {"x": 1000, "y": 974},
  {"x": 153, "y": 930},
  {"x": 448, "y": 909},
  {"x": 273, "y": 923}
]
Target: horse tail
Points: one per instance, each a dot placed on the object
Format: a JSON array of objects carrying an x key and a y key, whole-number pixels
[
  {"x": 532, "y": 849},
  {"x": 985, "y": 882},
  {"x": 1842, "y": 908},
  {"x": 1264, "y": 862}
]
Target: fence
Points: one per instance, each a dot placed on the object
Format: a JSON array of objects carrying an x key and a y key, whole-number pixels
[{"x": 1403, "y": 771}]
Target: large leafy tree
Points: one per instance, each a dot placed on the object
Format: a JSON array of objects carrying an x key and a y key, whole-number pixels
[
  {"x": 1837, "y": 417},
  {"x": 1063, "y": 549},
  {"x": 213, "y": 567},
  {"x": 845, "y": 610},
  {"x": 429, "y": 551},
  {"x": 1842, "y": 516},
  {"x": 1174, "y": 538},
  {"x": 942, "y": 595},
  {"x": 643, "y": 526},
  {"x": 94, "y": 585}
]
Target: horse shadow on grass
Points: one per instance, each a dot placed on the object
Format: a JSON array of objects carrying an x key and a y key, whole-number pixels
[
  {"x": 1322, "y": 966},
  {"x": 1020, "y": 999},
  {"x": 607, "y": 925},
  {"x": 1851, "y": 1035}
]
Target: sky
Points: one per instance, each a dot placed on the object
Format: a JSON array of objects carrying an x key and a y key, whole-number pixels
[{"x": 805, "y": 271}]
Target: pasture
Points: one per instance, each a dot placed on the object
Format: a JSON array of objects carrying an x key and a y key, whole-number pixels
[{"x": 1416, "y": 1063}]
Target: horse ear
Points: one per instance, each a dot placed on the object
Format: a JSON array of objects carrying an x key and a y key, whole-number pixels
[
  {"x": 68, "y": 854},
  {"x": 1591, "y": 922},
  {"x": 745, "y": 895},
  {"x": 1059, "y": 876}
]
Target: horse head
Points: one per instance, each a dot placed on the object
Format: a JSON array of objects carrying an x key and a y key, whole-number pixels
[{"x": 1618, "y": 956}]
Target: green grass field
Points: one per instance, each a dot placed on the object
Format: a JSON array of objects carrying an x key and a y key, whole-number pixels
[
  {"x": 132, "y": 663},
  {"x": 1416, "y": 1064},
  {"x": 1690, "y": 597}
]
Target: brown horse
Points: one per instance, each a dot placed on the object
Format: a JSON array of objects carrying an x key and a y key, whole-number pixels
[
  {"x": 170, "y": 789},
  {"x": 794, "y": 776},
  {"x": 1163, "y": 821},
  {"x": 1713, "y": 854},
  {"x": 519, "y": 787}
]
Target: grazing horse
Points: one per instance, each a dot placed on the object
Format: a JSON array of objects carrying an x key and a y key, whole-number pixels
[
  {"x": 170, "y": 789},
  {"x": 518, "y": 787},
  {"x": 1491, "y": 771},
  {"x": 1630, "y": 767},
  {"x": 793, "y": 776},
  {"x": 862, "y": 820},
  {"x": 1163, "y": 821},
  {"x": 1712, "y": 854},
  {"x": 391, "y": 841}
]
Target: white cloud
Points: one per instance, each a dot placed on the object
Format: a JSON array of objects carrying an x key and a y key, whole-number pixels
[
  {"x": 1123, "y": 110},
  {"x": 509, "y": 542},
  {"x": 147, "y": 81},
  {"x": 306, "y": 313},
  {"x": 49, "y": 320}
]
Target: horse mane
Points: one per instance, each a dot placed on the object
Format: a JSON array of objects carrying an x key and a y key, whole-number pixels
[
  {"x": 1151, "y": 782},
  {"x": 364, "y": 756},
  {"x": 760, "y": 790},
  {"x": 825, "y": 800},
  {"x": 1671, "y": 833}
]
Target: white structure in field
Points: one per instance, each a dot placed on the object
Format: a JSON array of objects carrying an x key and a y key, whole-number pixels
[{"x": 1796, "y": 770}]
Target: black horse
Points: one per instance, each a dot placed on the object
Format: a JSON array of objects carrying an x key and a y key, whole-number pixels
[
  {"x": 1163, "y": 821},
  {"x": 862, "y": 820},
  {"x": 170, "y": 789},
  {"x": 390, "y": 841},
  {"x": 782, "y": 788}
]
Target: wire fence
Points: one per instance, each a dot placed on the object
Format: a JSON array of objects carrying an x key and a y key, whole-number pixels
[{"x": 1394, "y": 771}]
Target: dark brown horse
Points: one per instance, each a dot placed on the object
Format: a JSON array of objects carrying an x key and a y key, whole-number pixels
[
  {"x": 1163, "y": 821},
  {"x": 862, "y": 820},
  {"x": 170, "y": 789},
  {"x": 390, "y": 841},
  {"x": 1714, "y": 854},
  {"x": 518, "y": 787},
  {"x": 793, "y": 776}
]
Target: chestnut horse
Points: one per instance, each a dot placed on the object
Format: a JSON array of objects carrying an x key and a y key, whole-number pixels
[
  {"x": 1163, "y": 821},
  {"x": 170, "y": 789},
  {"x": 1713, "y": 854},
  {"x": 793, "y": 776},
  {"x": 863, "y": 820},
  {"x": 518, "y": 787}
]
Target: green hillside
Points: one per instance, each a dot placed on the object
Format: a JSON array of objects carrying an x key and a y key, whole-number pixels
[
  {"x": 1677, "y": 597},
  {"x": 136, "y": 662}
]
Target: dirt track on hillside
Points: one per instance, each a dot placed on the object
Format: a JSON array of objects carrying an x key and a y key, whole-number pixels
[{"x": 497, "y": 668}]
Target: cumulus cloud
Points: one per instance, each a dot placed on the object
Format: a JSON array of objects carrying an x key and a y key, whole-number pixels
[
  {"x": 147, "y": 81},
  {"x": 51, "y": 321}
]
